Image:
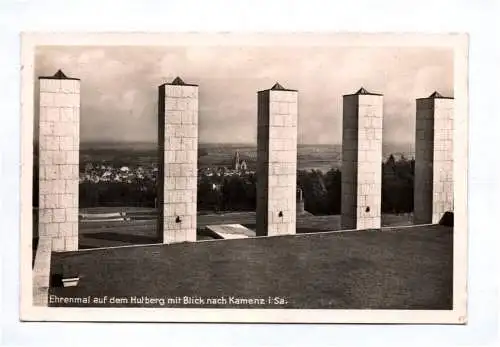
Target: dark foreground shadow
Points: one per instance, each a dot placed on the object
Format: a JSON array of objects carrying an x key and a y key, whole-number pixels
[
  {"x": 447, "y": 219},
  {"x": 127, "y": 238}
]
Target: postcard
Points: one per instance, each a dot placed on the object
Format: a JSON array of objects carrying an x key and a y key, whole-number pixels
[{"x": 246, "y": 178}]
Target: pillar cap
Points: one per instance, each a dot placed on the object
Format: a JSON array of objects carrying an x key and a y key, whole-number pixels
[
  {"x": 363, "y": 91},
  {"x": 279, "y": 87},
  {"x": 179, "y": 82},
  {"x": 436, "y": 95},
  {"x": 59, "y": 75}
]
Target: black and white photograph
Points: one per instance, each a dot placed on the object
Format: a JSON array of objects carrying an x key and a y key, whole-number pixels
[{"x": 244, "y": 178}]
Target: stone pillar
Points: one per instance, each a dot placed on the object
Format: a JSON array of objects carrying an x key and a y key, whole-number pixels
[
  {"x": 433, "y": 195},
  {"x": 362, "y": 160},
  {"x": 59, "y": 144},
  {"x": 276, "y": 161},
  {"x": 300, "y": 201},
  {"x": 178, "y": 157}
]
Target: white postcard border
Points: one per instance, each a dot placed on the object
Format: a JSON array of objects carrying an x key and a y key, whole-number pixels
[{"x": 458, "y": 42}]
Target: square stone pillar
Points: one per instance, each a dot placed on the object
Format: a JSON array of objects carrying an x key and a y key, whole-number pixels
[
  {"x": 362, "y": 160},
  {"x": 433, "y": 195},
  {"x": 178, "y": 157},
  {"x": 59, "y": 144},
  {"x": 277, "y": 161}
]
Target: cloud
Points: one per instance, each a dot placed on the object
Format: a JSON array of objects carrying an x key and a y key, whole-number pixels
[{"x": 119, "y": 86}]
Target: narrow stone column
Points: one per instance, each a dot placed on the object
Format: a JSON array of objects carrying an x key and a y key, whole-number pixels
[
  {"x": 433, "y": 195},
  {"x": 362, "y": 160},
  {"x": 59, "y": 144},
  {"x": 277, "y": 161},
  {"x": 300, "y": 201},
  {"x": 178, "y": 157}
]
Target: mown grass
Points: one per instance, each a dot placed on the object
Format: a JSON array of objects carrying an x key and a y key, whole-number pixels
[{"x": 407, "y": 268}]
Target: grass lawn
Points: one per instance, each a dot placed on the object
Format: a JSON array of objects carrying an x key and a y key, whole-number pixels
[{"x": 406, "y": 268}]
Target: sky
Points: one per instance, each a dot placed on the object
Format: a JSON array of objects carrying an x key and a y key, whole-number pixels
[{"x": 119, "y": 86}]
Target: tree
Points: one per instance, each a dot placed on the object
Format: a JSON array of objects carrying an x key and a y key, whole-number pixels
[
  {"x": 333, "y": 182},
  {"x": 315, "y": 191}
]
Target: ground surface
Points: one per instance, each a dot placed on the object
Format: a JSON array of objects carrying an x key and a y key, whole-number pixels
[
  {"x": 397, "y": 268},
  {"x": 142, "y": 228}
]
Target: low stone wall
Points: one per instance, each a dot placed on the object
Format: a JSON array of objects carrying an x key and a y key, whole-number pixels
[
  {"x": 103, "y": 217},
  {"x": 41, "y": 272}
]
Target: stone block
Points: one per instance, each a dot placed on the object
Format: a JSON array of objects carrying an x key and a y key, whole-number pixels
[
  {"x": 180, "y": 157},
  {"x": 193, "y": 106},
  {"x": 47, "y": 99},
  {"x": 174, "y": 117},
  {"x": 71, "y": 214},
  {"x": 50, "y": 85},
  {"x": 58, "y": 158},
  {"x": 189, "y": 92},
  {"x": 71, "y": 243},
  {"x": 66, "y": 143},
  {"x": 46, "y": 128},
  {"x": 58, "y": 244},
  {"x": 66, "y": 229},
  {"x": 59, "y": 215},
  {"x": 67, "y": 200},
  {"x": 169, "y": 183},
  {"x": 188, "y": 170},
  {"x": 72, "y": 157},
  {"x": 48, "y": 143},
  {"x": 50, "y": 114},
  {"x": 190, "y": 143},
  {"x": 48, "y": 172},
  {"x": 174, "y": 143},
  {"x": 170, "y": 157},
  {"x": 181, "y": 183},
  {"x": 186, "y": 117},
  {"x": 70, "y": 187},
  {"x": 66, "y": 172}
]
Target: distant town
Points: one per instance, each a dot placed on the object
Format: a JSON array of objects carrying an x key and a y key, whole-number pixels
[{"x": 95, "y": 172}]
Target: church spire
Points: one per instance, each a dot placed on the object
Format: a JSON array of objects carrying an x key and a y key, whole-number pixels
[{"x": 236, "y": 161}]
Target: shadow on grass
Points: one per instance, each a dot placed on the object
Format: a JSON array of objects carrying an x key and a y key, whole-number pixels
[
  {"x": 132, "y": 239},
  {"x": 112, "y": 239}
]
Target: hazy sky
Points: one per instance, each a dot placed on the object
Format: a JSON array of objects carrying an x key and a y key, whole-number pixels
[{"x": 119, "y": 86}]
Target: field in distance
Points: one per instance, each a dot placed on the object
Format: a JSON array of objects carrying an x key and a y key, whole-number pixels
[{"x": 318, "y": 157}]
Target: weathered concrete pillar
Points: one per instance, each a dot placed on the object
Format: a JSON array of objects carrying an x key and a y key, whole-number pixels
[
  {"x": 276, "y": 161},
  {"x": 178, "y": 156},
  {"x": 433, "y": 195},
  {"x": 59, "y": 144},
  {"x": 362, "y": 160},
  {"x": 300, "y": 201}
]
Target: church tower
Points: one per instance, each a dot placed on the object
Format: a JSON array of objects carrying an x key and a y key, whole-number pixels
[{"x": 236, "y": 161}]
